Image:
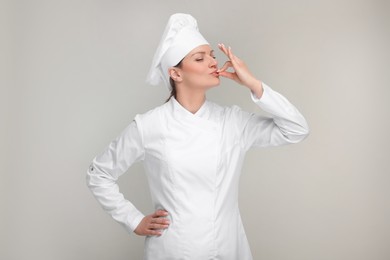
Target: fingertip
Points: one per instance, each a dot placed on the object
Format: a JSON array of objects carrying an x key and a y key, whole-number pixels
[
  {"x": 154, "y": 233},
  {"x": 162, "y": 212},
  {"x": 230, "y": 51}
]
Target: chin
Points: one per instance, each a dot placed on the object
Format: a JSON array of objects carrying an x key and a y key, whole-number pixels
[
  {"x": 215, "y": 82},
  {"x": 209, "y": 83}
]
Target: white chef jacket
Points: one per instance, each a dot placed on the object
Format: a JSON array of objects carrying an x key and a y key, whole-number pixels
[{"x": 193, "y": 164}]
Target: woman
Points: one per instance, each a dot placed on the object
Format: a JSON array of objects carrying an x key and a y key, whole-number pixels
[{"x": 193, "y": 151}]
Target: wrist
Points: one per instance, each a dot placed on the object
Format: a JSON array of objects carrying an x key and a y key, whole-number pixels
[{"x": 256, "y": 88}]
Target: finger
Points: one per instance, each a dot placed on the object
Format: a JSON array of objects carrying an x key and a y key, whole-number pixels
[
  {"x": 152, "y": 232},
  {"x": 225, "y": 66},
  {"x": 232, "y": 57},
  {"x": 158, "y": 226},
  {"x": 228, "y": 75},
  {"x": 164, "y": 221},
  {"x": 223, "y": 48},
  {"x": 160, "y": 213},
  {"x": 158, "y": 221},
  {"x": 229, "y": 53}
]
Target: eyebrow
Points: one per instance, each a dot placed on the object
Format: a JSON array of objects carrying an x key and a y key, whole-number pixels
[{"x": 202, "y": 52}]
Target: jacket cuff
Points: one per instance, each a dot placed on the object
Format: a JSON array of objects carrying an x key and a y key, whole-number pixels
[
  {"x": 134, "y": 221},
  {"x": 264, "y": 96}
]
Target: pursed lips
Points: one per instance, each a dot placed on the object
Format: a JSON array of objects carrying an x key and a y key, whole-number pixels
[{"x": 215, "y": 73}]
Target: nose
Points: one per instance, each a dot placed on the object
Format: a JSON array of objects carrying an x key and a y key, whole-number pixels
[{"x": 213, "y": 62}]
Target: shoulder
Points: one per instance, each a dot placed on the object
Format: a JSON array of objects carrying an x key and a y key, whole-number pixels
[
  {"x": 153, "y": 113},
  {"x": 151, "y": 120}
]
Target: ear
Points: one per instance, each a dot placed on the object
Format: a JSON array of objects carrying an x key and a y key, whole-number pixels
[{"x": 175, "y": 74}]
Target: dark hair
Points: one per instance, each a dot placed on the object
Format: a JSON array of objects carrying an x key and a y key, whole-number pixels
[{"x": 172, "y": 83}]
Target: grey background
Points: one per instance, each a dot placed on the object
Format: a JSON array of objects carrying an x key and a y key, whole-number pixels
[{"x": 72, "y": 77}]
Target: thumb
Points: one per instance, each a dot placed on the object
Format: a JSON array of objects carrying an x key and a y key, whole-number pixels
[{"x": 227, "y": 74}]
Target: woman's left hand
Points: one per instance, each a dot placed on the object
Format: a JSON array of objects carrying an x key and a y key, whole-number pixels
[{"x": 241, "y": 73}]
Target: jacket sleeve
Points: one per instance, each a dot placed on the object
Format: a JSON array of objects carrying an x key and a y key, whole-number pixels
[
  {"x": 105, "y": 170},
  {"x": 285, "y": 125}
]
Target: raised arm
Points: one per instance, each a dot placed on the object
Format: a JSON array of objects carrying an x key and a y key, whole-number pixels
[{"x": 286, "y": 124}]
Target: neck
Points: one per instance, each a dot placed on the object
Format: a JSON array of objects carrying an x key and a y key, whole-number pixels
[{"x": 191, "y": 100}]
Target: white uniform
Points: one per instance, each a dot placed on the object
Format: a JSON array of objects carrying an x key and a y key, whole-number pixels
[{"x": 193, "y": 164}]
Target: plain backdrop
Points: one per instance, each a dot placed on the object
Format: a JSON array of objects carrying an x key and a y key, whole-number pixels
[{"x": 73, "y": 77}]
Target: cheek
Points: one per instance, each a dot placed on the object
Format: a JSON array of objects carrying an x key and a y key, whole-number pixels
[{"x": 196, "y": 69}]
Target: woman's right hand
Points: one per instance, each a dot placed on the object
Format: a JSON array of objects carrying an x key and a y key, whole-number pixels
[{"x": 153, "y": 224}]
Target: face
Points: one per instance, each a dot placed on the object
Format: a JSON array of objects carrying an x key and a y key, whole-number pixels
[{"x": 198, "y": 69}]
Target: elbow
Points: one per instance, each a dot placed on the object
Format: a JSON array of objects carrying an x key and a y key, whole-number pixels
[
  {"x": 88, "y": 178},
  {"x": 305, "y": 131},
  {"x": 94, "y": 178},
  {"x": 98, "y": 178},
  {"x": 302, "y": 131},
  {"x": 298, "y": 136},
  {"x": 303, "y": 134}
]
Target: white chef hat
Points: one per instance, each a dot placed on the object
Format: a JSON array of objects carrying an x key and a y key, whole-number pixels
[{"x": 181, "y": 35}]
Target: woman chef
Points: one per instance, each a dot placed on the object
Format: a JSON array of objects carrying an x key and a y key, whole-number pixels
[{"x": 193, "y": 151}]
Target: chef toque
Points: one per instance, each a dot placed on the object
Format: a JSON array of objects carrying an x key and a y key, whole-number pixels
[{"x": 181, "y": 35}]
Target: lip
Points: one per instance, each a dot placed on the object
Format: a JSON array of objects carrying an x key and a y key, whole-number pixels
[{"x": 215, "y": 73}]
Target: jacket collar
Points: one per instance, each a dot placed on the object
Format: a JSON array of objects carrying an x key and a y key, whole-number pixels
[{"x": 202, "y": 118}]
